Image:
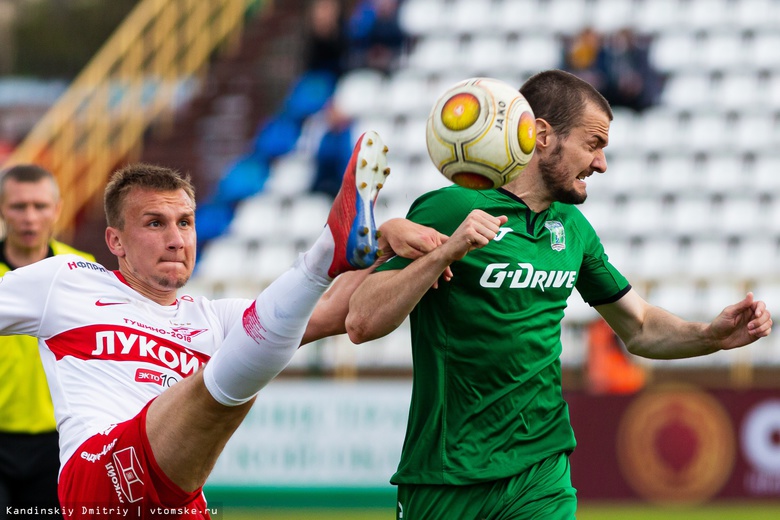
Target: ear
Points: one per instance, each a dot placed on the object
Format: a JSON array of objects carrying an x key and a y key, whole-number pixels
[
  {"x": 544, "y": 133},
  {"x": 57, "y": 210},
  {"x": 114, "y": 242}
]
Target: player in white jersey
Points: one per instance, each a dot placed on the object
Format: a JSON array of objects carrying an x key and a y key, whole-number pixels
[{"x": 141, "y": 425}]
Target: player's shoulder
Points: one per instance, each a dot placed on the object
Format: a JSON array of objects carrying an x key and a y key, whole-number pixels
[
  {"x": 61, "y": 248},
  {"x": 570, "y": 215},
  {"x": 450, "y": 202},
  {"x": 569, "y": 211},
  {"x": 67, "y": 262}
]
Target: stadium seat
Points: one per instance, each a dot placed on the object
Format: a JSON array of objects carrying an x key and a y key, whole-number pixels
[
  {"x": 267, "y": 262},
  {"x": 358, "y": 92},
  {"x": 291, "y": 174},
  {"x": 689, "y": 91},
  {"x": 708, "y": 132},
  {"x": 757, "y": 257},
  {"x": 762, "y": 54},
  {"x": 726, "y": 174},
  {"x": 718, "y": 294},
  {"x": 473, "y": 17},
  {"x": 765, "y": 174},
  {"x": 519, "y": 16},
  {"x": 708, "y": 15},
  {"x": 756, "y": 15},
  {"x": 306, "y": 216},
  {"x": 487, "y": 56},
  {"x": 421, "y": 18},
  {"x": 659, "y": 131},
  {"x": 743, "y": 92},
  {"x": 223, "y": 260},
  {"x": 646, "y": 216},
  {"x": 408, "y": 93},
  {"x": 259, "y": 218},
  {"x": 410, "y": 137},
  {"x": 658, "y": 258},
  {"x": 674, "y": 52},
  {"x": 658, "y": 16},
  {"x": 676, "y": 175},
  {"x": 537, "y": 52},
  {"x": 564, "y": 16},
  {"x": 612, "y": 15},
  {"x": 622, "y": 130},
  {"x": 681, "y": 297},
  {"x": 708, "y": 258},
  {"x": 436, "y": 54},
  {"x": 723, "y": 51}
]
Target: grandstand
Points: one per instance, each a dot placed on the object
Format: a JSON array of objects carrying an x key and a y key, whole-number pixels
[{"x": 687, "y": 209}]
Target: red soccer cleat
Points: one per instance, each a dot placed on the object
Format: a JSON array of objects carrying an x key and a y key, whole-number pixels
[{"x": 351, "y": 218}]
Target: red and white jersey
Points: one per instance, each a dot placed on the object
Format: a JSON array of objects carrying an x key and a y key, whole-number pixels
[{"x": 106, "y": 349}]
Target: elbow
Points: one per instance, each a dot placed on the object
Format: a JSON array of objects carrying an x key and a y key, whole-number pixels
[
  {"x": 357, "y": 330},
  {"x": 361, "y": 329}
]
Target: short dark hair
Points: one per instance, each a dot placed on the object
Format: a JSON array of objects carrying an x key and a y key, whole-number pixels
[
  {"x": 141, "y": 175},
  {"x": 28, "y": 173},
  {"x": 559, "y": 98}
]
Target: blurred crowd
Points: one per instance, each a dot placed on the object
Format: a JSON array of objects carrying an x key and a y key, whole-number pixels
[
  {"x": 617, "y": 64},
  {"x": 341, "y": 36}
]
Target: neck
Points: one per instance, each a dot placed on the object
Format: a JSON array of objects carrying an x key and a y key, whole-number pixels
[
  {"x": 20, "y": 257},
  {"x": 162, "y": 297},
  {"x": 532, "y": 191}
]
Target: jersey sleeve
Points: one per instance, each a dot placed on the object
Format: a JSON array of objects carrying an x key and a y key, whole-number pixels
[
  {"x": 599, "y": 282},
  {"x": 442, "y": 210},
  {"x": 229, "y": 311},
  {"x": 24, "y": 293}
]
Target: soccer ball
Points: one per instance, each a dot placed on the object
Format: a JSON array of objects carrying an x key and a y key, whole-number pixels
[{"x": 481, "y": 133}]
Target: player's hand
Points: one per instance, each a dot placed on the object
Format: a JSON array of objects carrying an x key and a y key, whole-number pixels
[
  {"x": 742, "y": 323},
  {"x": 408, "y": 239},
  {"x": 475, "y": 232}
]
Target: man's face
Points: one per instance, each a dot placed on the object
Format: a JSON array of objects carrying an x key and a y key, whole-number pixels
[
  {"x": 30, "y": 210},
  {"x": 156, "y": 247},
  {"x": 565, "y": 167}
]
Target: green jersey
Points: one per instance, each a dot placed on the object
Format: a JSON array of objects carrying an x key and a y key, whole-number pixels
[{"x": 486, "y": 397}]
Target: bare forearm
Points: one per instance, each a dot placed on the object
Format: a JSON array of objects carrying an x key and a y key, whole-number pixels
[
  {"x": 330, "y": 314},
  {"x": 666, "y": 336},
  {"x": 385, "y": 299}
]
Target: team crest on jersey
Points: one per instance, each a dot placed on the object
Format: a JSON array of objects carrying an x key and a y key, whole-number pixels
[{"x": 557, "y": 235}]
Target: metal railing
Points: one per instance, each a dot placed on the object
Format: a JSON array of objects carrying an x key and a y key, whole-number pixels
[{"x": 154, "y": 60}]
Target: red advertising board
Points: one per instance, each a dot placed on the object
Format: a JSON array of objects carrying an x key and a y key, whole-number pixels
[{"x": 675, "y": 443}]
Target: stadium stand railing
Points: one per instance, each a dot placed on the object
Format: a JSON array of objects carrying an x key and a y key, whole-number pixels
[{"x": 152, "y": 64}]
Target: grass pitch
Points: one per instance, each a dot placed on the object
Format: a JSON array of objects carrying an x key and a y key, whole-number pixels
[{"x": 737, "y": 511}]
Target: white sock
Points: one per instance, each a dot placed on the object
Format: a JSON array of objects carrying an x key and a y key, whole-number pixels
[
  {"x": 259, "y": 347},
  {"x": 320, "y": 256}
]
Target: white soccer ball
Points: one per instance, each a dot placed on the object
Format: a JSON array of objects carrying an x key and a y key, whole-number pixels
[{"x": 481, "y": 133}]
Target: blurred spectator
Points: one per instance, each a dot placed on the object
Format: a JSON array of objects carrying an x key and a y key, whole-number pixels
[
  {"x": 631, "y": 79},
  {"x": 618, "y": 65},
  {"x": 333, "y": 152},
  {"x": 326, "y": 48},
  {"x": 375, "y": 35},
  {"x": 584, "y": 56},
  {"x": 609, "y": 368}
]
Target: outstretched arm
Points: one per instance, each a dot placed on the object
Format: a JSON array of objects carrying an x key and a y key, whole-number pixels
[
  {"x": 655, "y": 333},
  {"x": 383, "y": 300}
]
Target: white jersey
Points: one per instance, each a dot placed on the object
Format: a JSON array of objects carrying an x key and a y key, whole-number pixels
[{"x": 106, "y": 349}]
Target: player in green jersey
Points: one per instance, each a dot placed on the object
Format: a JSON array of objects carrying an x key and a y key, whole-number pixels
[{"x": 489, "y": 432}]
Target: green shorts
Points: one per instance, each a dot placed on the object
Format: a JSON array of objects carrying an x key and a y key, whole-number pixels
[{"x": 542, "y": 491}]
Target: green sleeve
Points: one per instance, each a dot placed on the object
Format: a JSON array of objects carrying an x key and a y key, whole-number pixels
[{"x": 599, "y": 281}]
